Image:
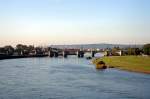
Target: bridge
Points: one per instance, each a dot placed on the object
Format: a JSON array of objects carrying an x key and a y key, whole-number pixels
[{"x": 55, "y": 52}]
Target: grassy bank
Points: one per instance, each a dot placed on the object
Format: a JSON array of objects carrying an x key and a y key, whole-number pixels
[{"x": 130, "y": 63}]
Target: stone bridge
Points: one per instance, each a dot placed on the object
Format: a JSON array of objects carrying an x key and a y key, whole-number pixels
[{"x": 55, "y": 52}]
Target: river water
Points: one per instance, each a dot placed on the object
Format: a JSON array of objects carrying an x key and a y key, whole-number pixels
[{"x": 71, "y": 78}]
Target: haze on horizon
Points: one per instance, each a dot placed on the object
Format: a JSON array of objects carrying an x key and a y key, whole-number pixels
[{"x": 46, "y": 22}]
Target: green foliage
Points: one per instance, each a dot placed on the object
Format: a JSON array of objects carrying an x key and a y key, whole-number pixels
[
  {"x": 134, "y": 51},
  {"x": 9, "y": 50},
  {"x": 24, "y": 49},
  {"x": 146, "y": 49}
]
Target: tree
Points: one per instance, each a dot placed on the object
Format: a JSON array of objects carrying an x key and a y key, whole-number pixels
[
  {"x": 39, "y": 50},
  {"x": 137, "y": 51},
  {"x": 2, "y": 50},
  {"x": 22, "y": 49},
  {"x": 115, "y": 50},
  {"x": 146, "y": 49},
  {"x": 134, "y": 51},
  {"x": 19, "y": 49},
  {"x": 30, "y": 48},
  {"x": 9, "y": 50}
]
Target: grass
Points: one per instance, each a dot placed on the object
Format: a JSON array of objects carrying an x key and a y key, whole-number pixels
[{"x": 130, "y": 63}]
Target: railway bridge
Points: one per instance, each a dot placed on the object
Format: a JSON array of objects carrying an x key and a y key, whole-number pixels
[{"x": 55, "y": 52}]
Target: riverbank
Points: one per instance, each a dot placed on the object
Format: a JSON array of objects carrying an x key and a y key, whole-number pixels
[{"x": 130, "y": 63}]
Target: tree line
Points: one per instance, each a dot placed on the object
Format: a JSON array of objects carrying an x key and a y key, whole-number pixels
[
  {"x": 21, "y": 49},
  {"x": 145, "y": 50}
]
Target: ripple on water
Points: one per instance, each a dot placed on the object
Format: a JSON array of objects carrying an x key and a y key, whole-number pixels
[{"x": 71, "y": 78}]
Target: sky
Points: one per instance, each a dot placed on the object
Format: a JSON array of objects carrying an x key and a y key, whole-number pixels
[{"x": 50, "y": 22}]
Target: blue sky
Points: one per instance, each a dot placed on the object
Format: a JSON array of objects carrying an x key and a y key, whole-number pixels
[{"x": 46, "y": 22}]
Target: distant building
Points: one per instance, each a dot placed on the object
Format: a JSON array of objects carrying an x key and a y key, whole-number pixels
[{"x": 119, "y": 52}]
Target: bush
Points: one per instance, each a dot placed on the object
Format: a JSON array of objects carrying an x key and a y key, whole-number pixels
[{"x": 146, "y": 49}]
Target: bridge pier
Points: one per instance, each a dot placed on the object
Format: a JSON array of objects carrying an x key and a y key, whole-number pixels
[
  {"x": 65, "y": 54},
  {"x": 80, "y": 54},
  {"x": 51, "y": 54},
  {"x": 56, "y": 54},
  {"x": 93, "y": 53}
]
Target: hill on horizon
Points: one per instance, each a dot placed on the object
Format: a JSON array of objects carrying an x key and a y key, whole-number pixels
[{"x": 101, "y": 46}]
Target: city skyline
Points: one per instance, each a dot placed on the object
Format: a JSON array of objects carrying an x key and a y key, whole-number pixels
[{"x": 50, "y": 22}]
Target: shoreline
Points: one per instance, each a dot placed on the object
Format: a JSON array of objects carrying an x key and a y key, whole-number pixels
[
  {"x": 137, "y": 64},
  {"x": 143, "y": 72}
]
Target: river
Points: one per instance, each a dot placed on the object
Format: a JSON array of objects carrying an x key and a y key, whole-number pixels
[{"x": 71, "y": 78}]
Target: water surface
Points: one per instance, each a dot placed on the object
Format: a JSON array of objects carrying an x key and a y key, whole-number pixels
[{"x": 71, "y": 78}]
